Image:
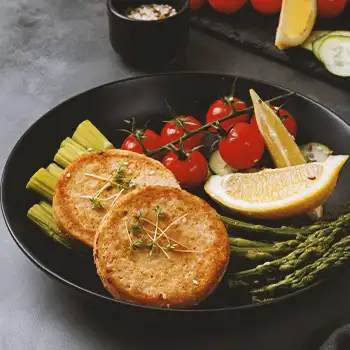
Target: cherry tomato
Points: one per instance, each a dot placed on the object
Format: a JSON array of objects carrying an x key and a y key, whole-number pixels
[
  {"x": 174, "y": 129},
  {"x": 220, "y": 109},
  {"x": 190, "y": 172},
  {"x": 267, "y": 6},
  {"x": 227, "y": 6},
  {"x": 330, "y": 8},
  {"x": 150, "y": 139},
  {"x": 287, "y": 119},
  {"x": 243, "y": 147},
  {"x": 196, "y": 4}
]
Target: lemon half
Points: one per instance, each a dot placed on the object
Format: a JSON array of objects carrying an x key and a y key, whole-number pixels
[{"x": 277, "y": 193}]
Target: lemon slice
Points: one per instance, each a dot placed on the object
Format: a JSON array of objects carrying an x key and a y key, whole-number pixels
[
  {"x": 296, "y": 22},
  {"x": 277, "y": 193}
]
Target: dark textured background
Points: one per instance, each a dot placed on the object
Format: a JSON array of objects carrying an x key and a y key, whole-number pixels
[
  {"x": 256, "y": 32},
  {"x": 52, "y": 49}
]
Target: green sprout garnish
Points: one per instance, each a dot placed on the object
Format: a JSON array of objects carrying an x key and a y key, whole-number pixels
[
  {"x": 138, "y": 215},
  {"x": 171, "y": 246},
  {"x": 120, "y": 180},
  {"x": 139, "y": 243},
  {"x": 96, "y": 204},
  {"x": 154, "y": 235},
  {"x": 159, "y": 211},
  {"x": 136, "y": 229}
]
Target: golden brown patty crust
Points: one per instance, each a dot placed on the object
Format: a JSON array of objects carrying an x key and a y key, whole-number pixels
[
  {"x": 76, "y": 214},
  {"x": 181, "y": 275}
]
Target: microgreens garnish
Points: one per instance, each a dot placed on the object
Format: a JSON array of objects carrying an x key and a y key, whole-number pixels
[
  {"x": 155, "y": 234},
  {"x": 159, "y": 211},
  {"x": 136, "y": 229},
  {"x": 96, "y": 204},
  {"x": 139, "y": 244},
  {"x": 171, "y": 246},
  {"x": 117, "y": 180},
  {"x": 120, "y": 180}
]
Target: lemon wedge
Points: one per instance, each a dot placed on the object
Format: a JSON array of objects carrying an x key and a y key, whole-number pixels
[
  {"x": 280, "y": 144},
  {"x": 277, "y": 193},
  {"x": 296, "y": 22}
]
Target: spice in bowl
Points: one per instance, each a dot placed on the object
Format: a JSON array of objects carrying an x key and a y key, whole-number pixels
[{"x": 151, "y": 12}]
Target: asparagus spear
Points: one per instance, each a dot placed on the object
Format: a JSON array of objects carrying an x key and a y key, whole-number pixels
[
  {"x": 47, "y": 207},
  {"x": 69, "y": 142},
  {"x": 256, "y": 251},
  {"x": 241, "y": 242},
  {"x": 336, "y": 257},
  {"x": 309, "y": 250},
  {"x": 66, "y": 154},
  {"x": 284, "y": 231},
  {"x": 41, "y": 214},
  {"x": 88, "y": 136},
  {"x": 54, "y": 170},
  {"x": 257, "y": 254},
  {"x": 43, "y": 183},
  {"x": 244, "y": 226},
  {"x": 44, "y": 180}
]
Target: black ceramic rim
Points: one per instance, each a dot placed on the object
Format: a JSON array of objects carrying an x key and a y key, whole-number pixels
[
  {"x": 115, "y": 301},
  {"x": 120, "y": 15}
]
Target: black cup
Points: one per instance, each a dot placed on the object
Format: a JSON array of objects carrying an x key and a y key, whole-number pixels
[{"x": 149, "y": 43}]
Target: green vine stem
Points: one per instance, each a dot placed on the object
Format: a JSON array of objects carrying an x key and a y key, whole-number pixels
[{"x": 205, "y": 127}]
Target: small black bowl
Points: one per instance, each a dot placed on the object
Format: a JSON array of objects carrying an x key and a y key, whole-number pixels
[{"x": 149, "y": 43}]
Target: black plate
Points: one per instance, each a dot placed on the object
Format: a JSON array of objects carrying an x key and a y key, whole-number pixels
[{"x": 143, "y": 98}]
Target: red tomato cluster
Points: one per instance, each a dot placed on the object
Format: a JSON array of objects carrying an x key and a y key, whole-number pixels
[
  {"x": 189, "y": 166},
  {"x": 240, "y": 143},
  {"x": 326, "y": 8}
]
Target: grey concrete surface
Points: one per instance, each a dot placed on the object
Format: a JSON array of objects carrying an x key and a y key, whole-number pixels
[{"x": 52, "y": 49}]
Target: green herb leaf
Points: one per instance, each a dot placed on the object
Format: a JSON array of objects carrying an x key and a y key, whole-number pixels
[
  {"x": 96, "y": 204},
  {"x": 120, "y": 180},
  {"x": 139, "y": 243},
  {"x": 135, "y": 229},
  {"x": 171, "y": 245},
  {"x": 159, "y": 211},
  {"x": 136, "y": 244}
]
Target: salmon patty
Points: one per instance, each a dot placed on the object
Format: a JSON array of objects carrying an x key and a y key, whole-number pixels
[
  {"x": 161, "y": 246},
  {"x": 93, "y": 182}
]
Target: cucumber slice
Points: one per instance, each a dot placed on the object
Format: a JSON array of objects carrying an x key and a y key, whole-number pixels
[
  {"x": 219, "y": 166},
  {"x": 334, "y": 52},
  {"x": 315, "y": 152},
  {"x": 313, "y": 37},
  {"x": 317, "y": 43}
]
